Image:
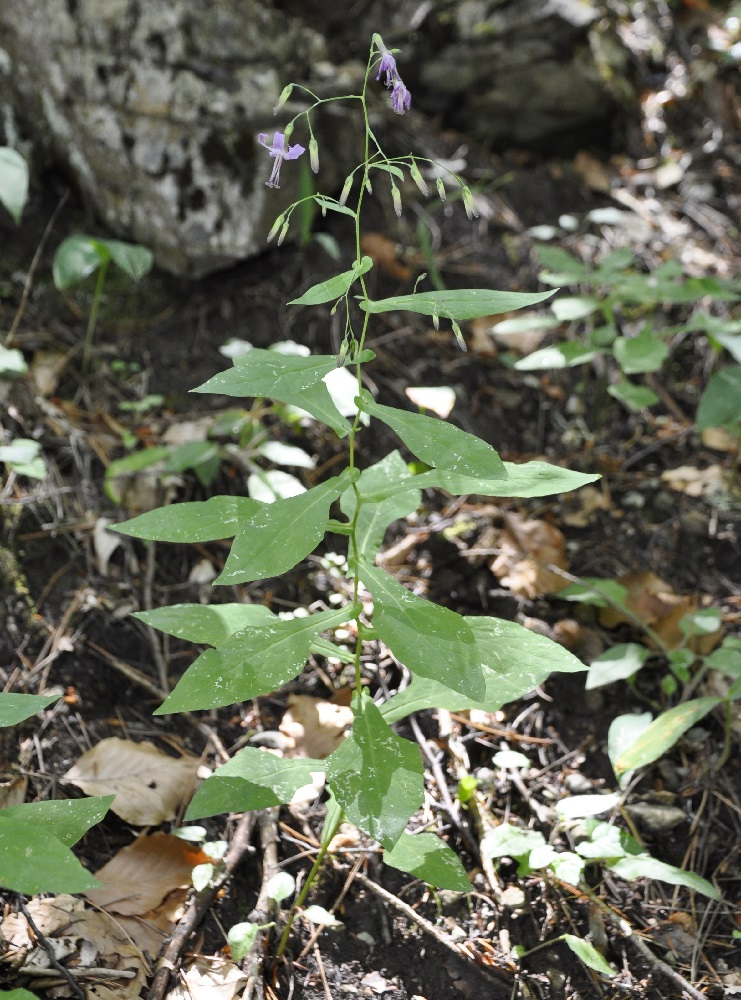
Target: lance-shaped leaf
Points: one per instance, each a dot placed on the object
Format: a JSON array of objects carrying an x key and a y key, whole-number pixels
[
  {"x": 459, "y": 304},
  {"x": 644, "y": 866},
  {"x": 376, "y": 776},
  {"x": 318, "y": 402},
  {"x": 663, "y": 733},
  {"x": 374, "y": 518},
  {"x": 14, "y": 708},
  {"x": 427, "y": 857},
  {"x": 281, "y": 534},
  {"x": 333, "y": 288},
  {"x": 513, "y": 661},
  {"x": 438, "y": 443},
  {"x": 252, "y": 779},
  {"x": 197, "y": 521},
  {"x": 432, "y": 641},
  {"x": 532, "y": 479},
  {"x": 253, "y": 661}
]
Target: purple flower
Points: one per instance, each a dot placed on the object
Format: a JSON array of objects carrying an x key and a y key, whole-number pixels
[
  {"x": 388, "y": 66},
  {"x": 280, "y": 151},
  {"x": 401, "y": 99}
]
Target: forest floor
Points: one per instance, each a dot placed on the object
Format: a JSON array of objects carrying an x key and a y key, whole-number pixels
[{"x": 670, "y": 537}]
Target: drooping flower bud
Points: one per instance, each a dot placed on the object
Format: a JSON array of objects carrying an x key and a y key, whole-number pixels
[
  {"x": 368, "y": 185},
  {"x": 419, "y": 179},
  {"x": 346, "y": 188},
  {"x": 288, "y": 131},
  {"x": 285, "y": 94},
  {"x": 436, "y": 321},
  {"x": 314, "y": 154},
  {"x": 276, "y": 226},
  {"x": 442, "y": 193},
  {"x": 469, "y": 204},
  {"x": 459, "y": 336},
  {"x": 396, "y": 199},
  {"x": 283, "y": 232}
]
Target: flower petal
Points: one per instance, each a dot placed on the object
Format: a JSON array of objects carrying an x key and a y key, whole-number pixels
[{"x": 293, "y": 152}]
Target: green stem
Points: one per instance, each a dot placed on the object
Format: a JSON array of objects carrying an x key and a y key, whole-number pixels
[{"x": 93, "y": 317}]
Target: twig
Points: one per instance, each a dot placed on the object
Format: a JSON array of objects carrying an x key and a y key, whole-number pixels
[
  {"x": 661, "y": 968},
  {"x": 47, "y": 946},
  {"x": 154, "y": 641},
  {"x": 322, "y": 973},
  {"x": 199, "y": 907},
  {"x": 268, "y": 823}
]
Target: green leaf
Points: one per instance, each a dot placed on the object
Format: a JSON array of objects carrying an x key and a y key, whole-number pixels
[
  {"x": 595, "y": 591},
  {"x": 252, "y": 779},
  {"x": 525, "y": 323},
  {"x": 119, "y": 473},
  {"x": 557, "y": 259},
  {"x": 22, "y": 455},
  {"x": 280, "y": 886},
  {"x": 663, "y": 733},
  {"x": 727, "y": 658},
  {"x": 197, "y": 521},
  {"x": 211, "y": 624},
  {"x": 616, "y": 664},
  {"x": 389, "y": 168},
  {"x": 19, "y": 994},
  {"x": 644, "y": 866},
  {"x": 76, "y": 258},
  {"x": 12, "y": 362},
  {"x": 13, "y": 182},
  {"x": 438, "y": 443},
  {"x": 318, "y": 403},
  {"x": 720, "y": 403},
  {"x": 432, "y": 641},
  {"x": 635, "y": 397},
  {"x": 66, "y": 819},
  {"x": 459, "y": 304},
  {"x": 279, "y": 535},
  {"x": 134, "y": 260},
  {"x": 566, "y": 355},
  {"x": 240, "y": 939},
  {"x": 623, "y": 732},
  {"x": 334, "y": 206},
  {"x": 588, "y": 954},
  {"x": 14, "y": 708},
  {"x": 581, "y": 806},
  {"x": 333, "y": 288},
  {"x": 427, "y": 857},
  {"x": 570, "y": 308},
  {"x": 644, "y": 353},
  {"x": 376, "y": 776},
  {"x": 514, "y": 661},
  {"x": 508, "y": 841},
  {"x": 253, "y": 661},
  {"x": 374, "y": 518},
  {"x": 532, "y": 479}
]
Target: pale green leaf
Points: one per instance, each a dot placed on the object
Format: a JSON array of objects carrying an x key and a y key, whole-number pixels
[
  {"x": 13, "y": 181},
  {"x": 514, "y": 662},
  {"x": 201, "y": 875},
  {"x": 525, "y": 323},
  {"x": 375, "y": 518},
  {"x": 720, "y": 403},
  {"x": 19, "y": 994},
  {"x": 334, "y": 206},
  {"x": 581, "y": 806},
  {"x": 438, "y": 443},
  {"x": 14, "y": 708},
  {"x": 623, "y": 732},
  {"x": 333, "y": 288},
  {"x": 427, "y": 857},
  {"x": 567, "y": 866},
  {"x": 279, "y": 535},
  {"x": 508, "y": 841},
  {"x": 558, "y": 259},
  {"x": 570, "y": 308},
  {"x": 727, "y": 658},
  {"x": 12, "y": 362},
  {"x": 635, "y": 397},
  {"x": 644, "y": 353},
  {"x": 280, "y": 886},
  {"x": 253, "y": 661},
  {"x": 240, "y": 939},
  {"x": 196, "y": 521},
  {"x": 588, "y": 954},
  {"x": 616, "y": 664},
  {"x": 566, "y": 355},
  {"x": 376, "y": 776},
  {"x": 319, "y": 915},
  {"x": 134, "y": 260},
  {"x": 663, "y": 733},
  {"x": 459, "y": 304},
  {"x": 430, "y": 640},
  {"x": 65, "y": 819},
  {"x": 643, "y": 866},
  {"x": 286, "y": 454},
  {"x": 252, "y": 779},
  {"x": 210, "y": 624},
  {"x": 75, "y": 259}
]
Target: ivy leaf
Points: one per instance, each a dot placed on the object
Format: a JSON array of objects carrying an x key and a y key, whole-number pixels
[
  {"x": 512, "y": 659},
  {"x": 438, "y": 443},
  {"x": 663, "y": 733},
  {"x": 14, "y": 708},
  {"x": 460, "y": 304},
  {"x": 333, "y": 288},
  {"x": 374, "y": 518},
  {"x": 255, "y": 660},
  {"x": 252, "y": 779},
  {"x": 197, "y": 521},
  {"x": 432, "y": 641},
  {"x": 279, "y": 535},
  {"x": 427, "y": 857},
  {"x": 376, "y": 776}
]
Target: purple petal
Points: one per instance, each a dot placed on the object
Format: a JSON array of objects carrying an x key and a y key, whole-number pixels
[
  {"x": 279, "y": 142},
  {"x": 263, "y": 140},
  {"x": 293, "y": 152}
]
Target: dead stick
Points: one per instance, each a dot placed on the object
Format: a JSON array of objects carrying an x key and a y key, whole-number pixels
[
  {"x": 268, "y": 822},
  {"x": 48, "y": 948},
  {"x": 199, "y": 907}
]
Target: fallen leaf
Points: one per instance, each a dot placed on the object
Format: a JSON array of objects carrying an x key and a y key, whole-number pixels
[
  {"x": 140, "y": 875},
  {"x": 593, "y": 173},
  {"x": 438, "y": 398},
  {"x": 209, "y": 979},
  {"x": 720, "y": 439},
  {"x": 579, "y": 513},
  {"x": 526, "y": 549},
  {"x": 105, "y": 543},
  {"x": 696, "y": 482},
  {"x": 384, "y": 253},
  {"x": 149, "y": 785},
  {"x": 314, "y": 727},
  {"x": 46, "y": 369}
]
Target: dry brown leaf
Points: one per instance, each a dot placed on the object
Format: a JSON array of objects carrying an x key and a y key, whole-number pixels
[
  {"x": 526, "y": 547},
  {"x": 384, "y": 254},
  {"x": 140, "y": 875},
  {"x": 149, "y": 785},
  {"x": 46, "y": 369},
  {"x": 695, "y": 482},
  {"x": 594, "y": 173},
  {"x": 720, "y": 439},
  {"x": 209, "y": 979},
  {"x": 585, "y": 503},
  {"x": 314, "y": 727},
  {"x": 149, "y": 930}
]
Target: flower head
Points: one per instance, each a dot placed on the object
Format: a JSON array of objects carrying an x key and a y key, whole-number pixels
[
  {"x": 387, "y": 66},
  {"x": 401, "y": 99},
  {"x": 280, "y": 152}
]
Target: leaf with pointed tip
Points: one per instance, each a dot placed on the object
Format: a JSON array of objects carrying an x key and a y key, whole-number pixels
[
  {"x": 333, "y": 288},
  {"x": 663, "y": 733},
  {"x": 253, "y": 661},
  {"x": 210, "y": 624},
  {"x": 376, "y": 776},
  {"x": 427, "y": 857},
  {"x": 588, "y": 954},
  {"x": 317, "y": 401},
  {"x": 374, "y": 518},
  {"x": 431, "y": 640},
  {"x": 14, "y": 708},
  {"x": 252, "y": 779},
  {"x": 196, "y": 521},
  {"x": 644, "y": 866},
  {"x": 438, "y": 443},
  {"x": 513, "y": 661},
  {"x": 65, "y": 819},
  {"x": 279, "y": 535},
  {"x": 13, "y": 181},
  {"x": 459, "y": 304}
]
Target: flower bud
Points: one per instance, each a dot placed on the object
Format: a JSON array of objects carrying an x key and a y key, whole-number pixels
[
  {"x": 459, "y": 336},
  {"x": 469, "y": 204},
  {"x": 283, "y": 232},
  {"x": 368, "y": 185},
  {"x": 285, "y": 94},
  {"x": 440, "y": 188},
  {"x": 287, "y": 131},
  {"x": 346, "y": 190},
  {"x": 418, "y": 179},
  {"x": 436, "y": 321},
  {"x": 276, "y": 226},
  {"x": 397, "y": 199},
  {"x": 314, "y": 154}
]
